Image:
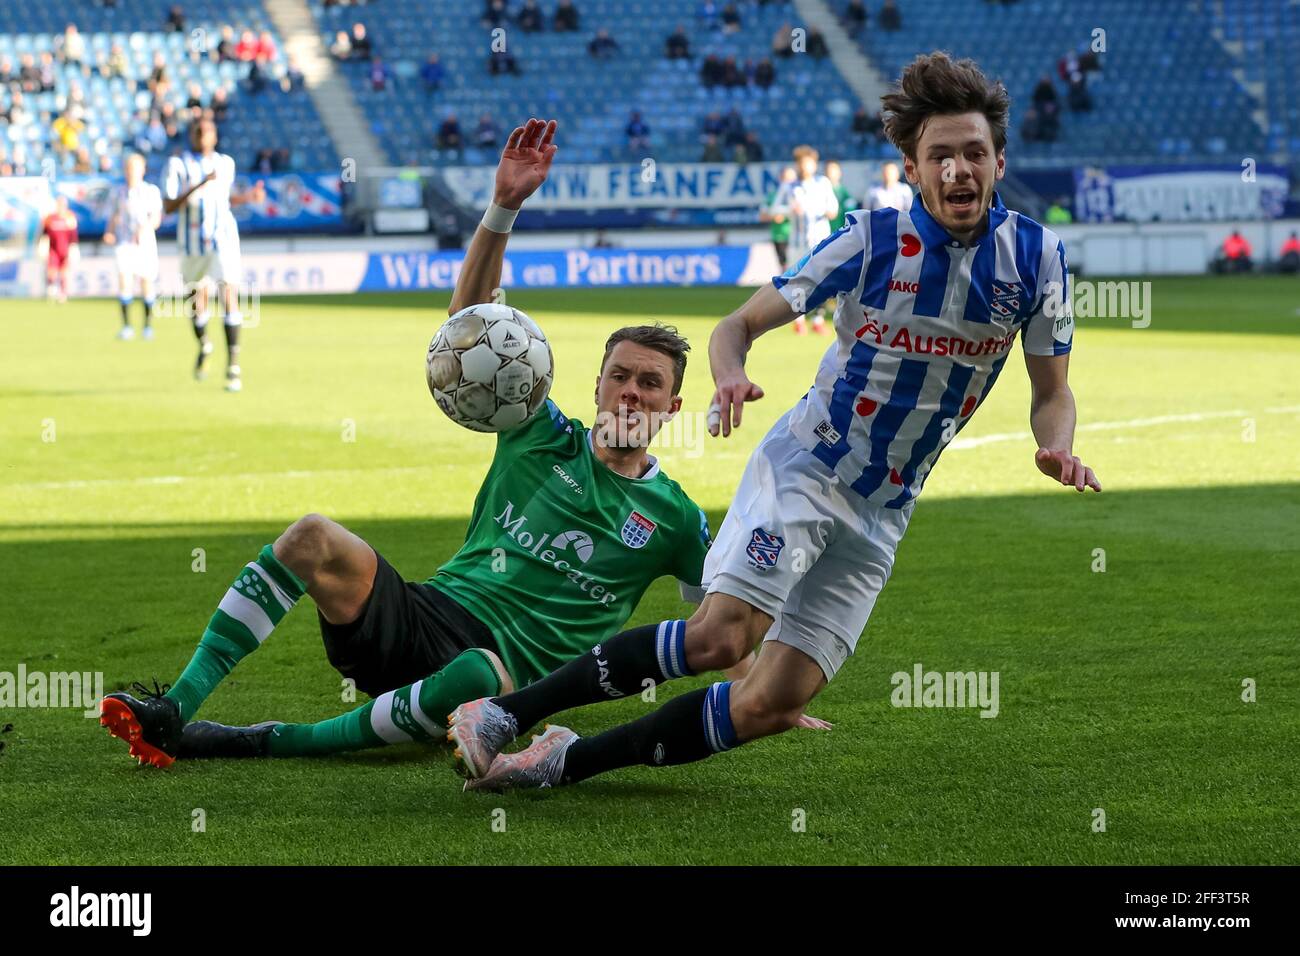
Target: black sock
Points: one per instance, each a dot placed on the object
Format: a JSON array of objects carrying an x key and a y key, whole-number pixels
[
  {"x": 616, "y": 668},
  {"x": 200, "y": 329},
  {"x": 148, "y": 312},
  {"x": 126, "y": 311},
  {"x": 687, "y": 728}
]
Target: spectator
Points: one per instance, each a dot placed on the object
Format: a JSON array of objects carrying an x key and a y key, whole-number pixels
[
  {"x": 226, "y": 45},
  {"x": 601, "y": 241},
  {"x": 817, "y": 47},
  {"x": 449, "y": 137},
  {"x": 67, "y": 131},
  {"x": 29, "y": 74},
  {"x": 246, "y": 48},
  {"x": 432, "y": 73},
  {"x": 495, "y": 14},
  {"x": 712, "y": 125},
  {"x": 890, "y": 17},
  {"x": 265, "y": 47},
  {"x": 764, "y": 74},
  {"x": 8, "y": 75},
  {"x": 749, "y": 151},
  {"x": 602, "y": 45},
  {"x": 678, "y": 45},
  {"x": 734, "y": 128},
  {"x": 855, "y": 16},
  {"x": 891, "y": 193},
  {"x": 153, "y": 138},
  {"x": 566, "y": 17},
  {"x": 1045, "y": 91},
  {"x": 638, "y": 133},
  {"x": 47, "y": 72},
  {"x": 779, "y": 216},
  {"x": 708, "y": 16},
  {"x": 105, "y": 164},
  {"x": 1031, "y": 130},
  {"x": 1058, "y": 213},
  {"x": 196, "y": 96},
  {"x": 711, "y": 72},
  {"x": 783, "y": 41},
  {"x": 280, "y": 161},
  {"x": 502, "y": 61},
  {"x": 72, "y": 48},
  {"x": 1235, "y": 254},
  {"x": 530, "y": 17},
  {"x": 361, "y": 48},
  {"x": 380, "y": 74},
  {"x": 1079, "y": 98},
  {"x": 341, "y": 48},
  {"x": 175, "y": 20},
  {"x": 220, "y": 104},
  {"x": 116, "y": 61},
  {"x": 732, "y": 75},
  {"x": 159, "y": 83},
  {"x": 1289, "y": 258},
  {"x": 835, "y": 173},
  {"x": 83, "y": 166},
  {"x": 730, "y": 19},
  {"x": 293, "y": 79},
  {"x": 263, "y": 164},
  {"x": 486, "y": 135},
  {"x": 712, "y": 150},
  {"x": 1049, "y": 123}
]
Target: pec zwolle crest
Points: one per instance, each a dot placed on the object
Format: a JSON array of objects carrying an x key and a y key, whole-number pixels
[{"x": 637, "y": 530}]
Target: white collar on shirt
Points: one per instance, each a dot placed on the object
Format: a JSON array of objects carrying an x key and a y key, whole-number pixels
[{"x": 650, "y": 472}]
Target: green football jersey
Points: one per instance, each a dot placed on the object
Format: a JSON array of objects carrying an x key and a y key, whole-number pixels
[{"x": 560, "y": 548}]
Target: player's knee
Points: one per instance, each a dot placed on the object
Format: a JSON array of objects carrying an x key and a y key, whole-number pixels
[
  {"x": 721, "y": 635},
  {"x": 757, "y": 714},
  {"x": 305, "y": 545}
]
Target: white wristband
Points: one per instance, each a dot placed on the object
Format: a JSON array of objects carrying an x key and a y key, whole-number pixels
[{"x": 498, "y": 218}]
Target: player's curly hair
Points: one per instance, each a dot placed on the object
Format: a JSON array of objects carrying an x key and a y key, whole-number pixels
[
  {"x": 661, "y": 338},
  {"x": 934, "y": 84}
]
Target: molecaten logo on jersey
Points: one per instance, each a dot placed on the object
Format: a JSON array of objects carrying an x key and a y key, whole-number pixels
[
  {"x": 637, "y": 530},
  {"x": 565, "y": 545},
  {"x": 764, "y": 549}
]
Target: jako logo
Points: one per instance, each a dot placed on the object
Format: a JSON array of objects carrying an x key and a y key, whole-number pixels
[{"x": 103, "y": 909}]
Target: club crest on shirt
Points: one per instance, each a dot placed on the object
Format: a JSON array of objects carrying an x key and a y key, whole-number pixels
[
  {"x": 1006, "y": 299},
  {"x": 637, "y": 530},
  {"x": 764, "y": 548}
]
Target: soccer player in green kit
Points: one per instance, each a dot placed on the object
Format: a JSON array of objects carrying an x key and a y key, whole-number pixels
[{"x": 570, "y": 527}]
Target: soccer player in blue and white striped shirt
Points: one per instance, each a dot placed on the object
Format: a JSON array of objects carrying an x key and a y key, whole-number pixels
[
  {"x": 929, "y": 304},
  {"x": 198, "y": 185}
]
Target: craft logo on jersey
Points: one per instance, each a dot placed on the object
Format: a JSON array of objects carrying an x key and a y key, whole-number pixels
[
  {"x": 1007, "y": 297},
  {"x": 637, "y": 530},
  {"x": 764, "y": 548}
]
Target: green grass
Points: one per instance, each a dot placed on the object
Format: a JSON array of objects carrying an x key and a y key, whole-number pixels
[{"x": 1119, "y": 690}]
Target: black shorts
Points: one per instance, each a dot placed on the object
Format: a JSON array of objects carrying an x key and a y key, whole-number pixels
[{"x": 407, "y": 630}]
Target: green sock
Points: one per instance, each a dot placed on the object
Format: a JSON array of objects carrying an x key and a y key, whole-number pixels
[
  {"x": 261, "y": 596},
  {"x": 415, "y": 712}
]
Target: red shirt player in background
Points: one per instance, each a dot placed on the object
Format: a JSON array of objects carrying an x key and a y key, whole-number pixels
[{"x": 60, "y": 230}]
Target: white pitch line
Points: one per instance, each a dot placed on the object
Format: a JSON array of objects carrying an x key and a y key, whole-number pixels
[{"x": 960, "y": 443}]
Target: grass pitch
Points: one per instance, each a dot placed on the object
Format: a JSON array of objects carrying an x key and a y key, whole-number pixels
[{"x": 1120, "y": 690}]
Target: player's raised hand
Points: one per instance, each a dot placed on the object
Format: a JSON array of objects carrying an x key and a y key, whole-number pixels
[
  {"x": 259, "y": 192},
  {"x": 733, "y": 391},
  {"x": 525, "y": 162},
  {"x": 1066, "y": 468}
]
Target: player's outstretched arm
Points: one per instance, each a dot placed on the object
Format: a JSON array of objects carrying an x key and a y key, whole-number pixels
[
  {"x": 766, "y": 309},
  {"x": 256, "y": 195},
  {"x": 525, "y": 161},
  {"x": 1051, "y": 418}
]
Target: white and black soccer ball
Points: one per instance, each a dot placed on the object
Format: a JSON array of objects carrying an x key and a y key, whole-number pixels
[{"x": 489, "y": 367}]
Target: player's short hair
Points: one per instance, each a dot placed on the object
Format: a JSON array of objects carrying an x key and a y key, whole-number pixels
[
  {"x": 802, "y": 152},
  {"x": 934, "y": 84},
  {"x": 661, "y": 338}
]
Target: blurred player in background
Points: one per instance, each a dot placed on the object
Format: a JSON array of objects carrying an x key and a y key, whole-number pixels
[
  {"x": 891, "y": 193},
  {"x": 59, "y": 233},
  {"x": 132, "y": 228},
  {"x": 812, "y": 204},
  {"x": 779, "y": 217},
  {"x": 199, "y": 186},
  {"x": 836, "y": 175}
]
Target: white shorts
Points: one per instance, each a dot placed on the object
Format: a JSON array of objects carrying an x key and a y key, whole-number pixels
[
  {"x": 220, "y": 265},
  {"x": 137, "y": 260},
  {"x": 800, "y": 545}
]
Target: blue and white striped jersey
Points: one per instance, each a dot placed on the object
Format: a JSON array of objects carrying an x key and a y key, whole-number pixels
[
  {"x": 206, "y": 221},
  {"x": 135, "y": 212},
  {"x": 923, "y": 327}
]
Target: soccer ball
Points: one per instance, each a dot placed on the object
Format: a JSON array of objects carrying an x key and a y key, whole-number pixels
[{"x": 489, "y": 367}]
